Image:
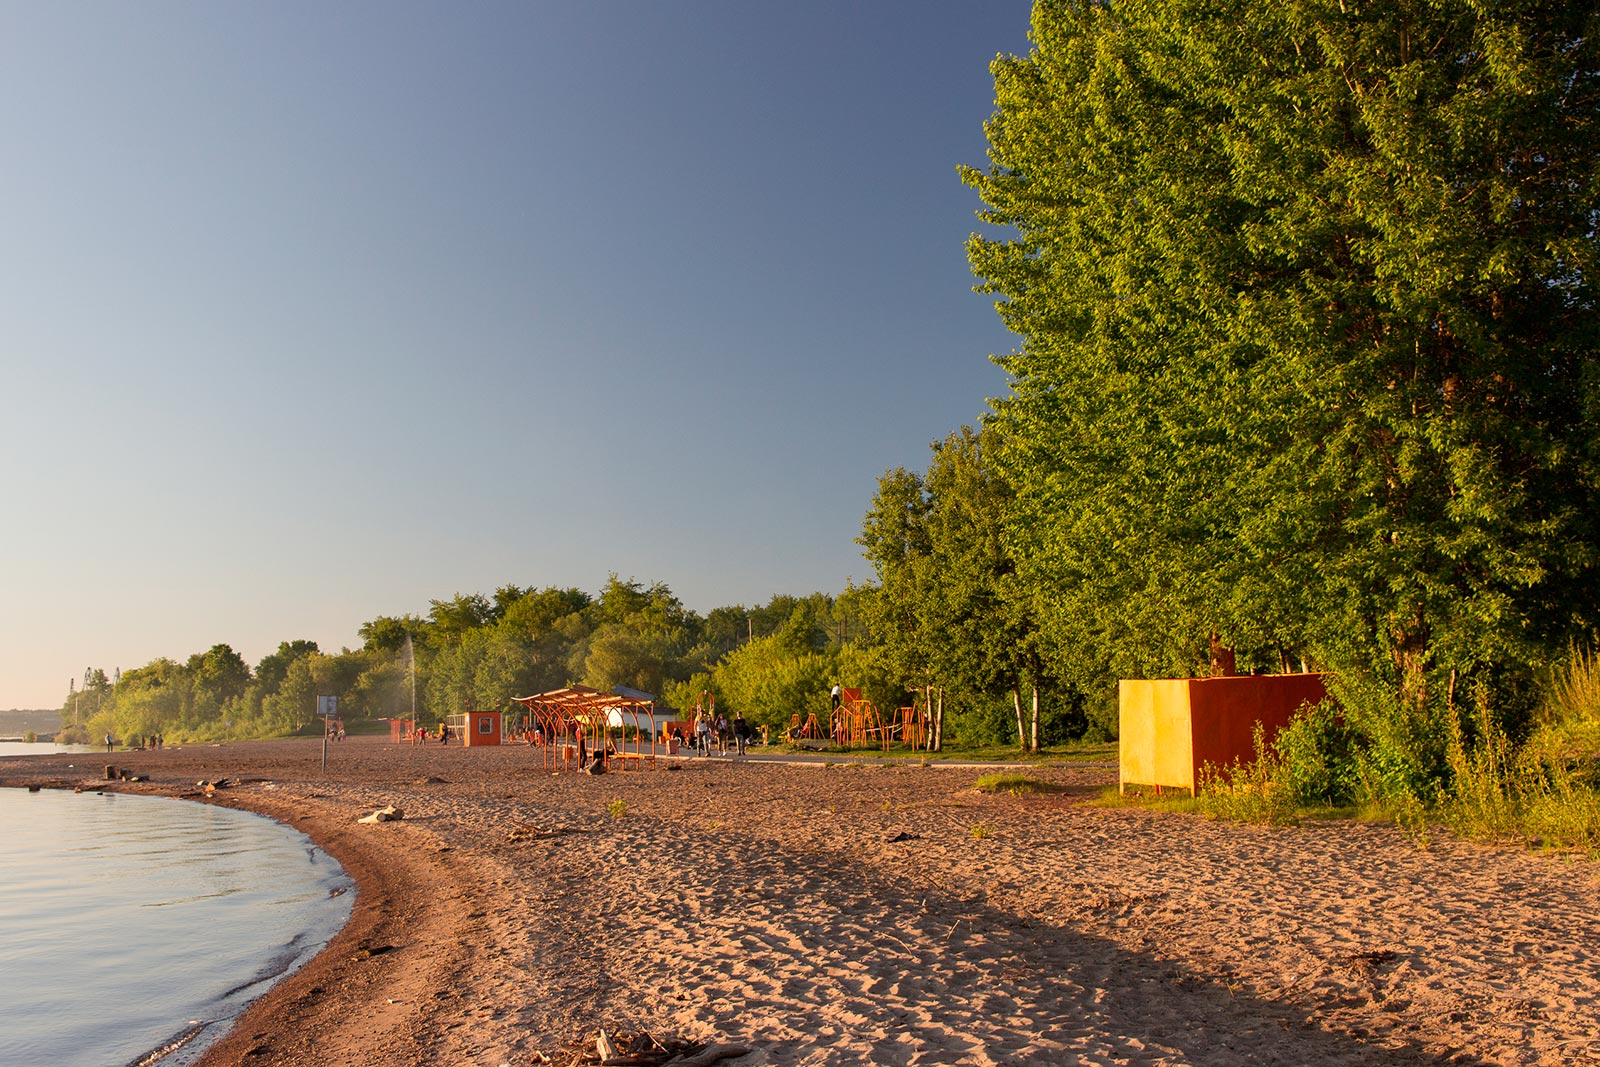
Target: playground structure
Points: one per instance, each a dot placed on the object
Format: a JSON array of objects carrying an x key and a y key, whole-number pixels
[
  {"x": 857, "y": 722},
  {"x": 911, "y": 727},
  {"x": 576, "y": 722},
  {"x": 804, "y": 731},
  {"x": 410, "y": 732}
]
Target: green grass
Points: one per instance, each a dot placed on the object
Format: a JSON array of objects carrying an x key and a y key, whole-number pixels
[
  {"x": 1411, "y": 818},
  {"x": 1074, "y": 752},
  {"x": 1009, "y": 782},
  {"x": 1172, "y": 800}
]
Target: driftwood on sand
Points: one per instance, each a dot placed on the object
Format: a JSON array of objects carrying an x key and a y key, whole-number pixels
[{"x": 637, "y": 1048}]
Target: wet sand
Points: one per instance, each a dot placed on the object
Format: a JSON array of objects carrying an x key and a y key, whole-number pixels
[{"x": 847, "y": 915}]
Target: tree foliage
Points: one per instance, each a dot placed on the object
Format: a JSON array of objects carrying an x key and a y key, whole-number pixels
[
  {"x": 947, "y": 612},
  {"x": 1304, "y": 294}
]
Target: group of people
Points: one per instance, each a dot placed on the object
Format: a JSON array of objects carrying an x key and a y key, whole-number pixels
[
  {"x": 142, "y": 744},
  {"x": 422, "y": 735},
  {"x": 716, "y": 729}
]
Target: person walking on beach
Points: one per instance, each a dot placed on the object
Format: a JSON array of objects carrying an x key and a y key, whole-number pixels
[
  {"x": 741, "y": 733},
  {"x": 109, "y": 743},
  {"x": 702, "y": 733}
]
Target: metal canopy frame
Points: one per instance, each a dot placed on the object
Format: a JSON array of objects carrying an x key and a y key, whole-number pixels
[{"x": 564, "y": 716}]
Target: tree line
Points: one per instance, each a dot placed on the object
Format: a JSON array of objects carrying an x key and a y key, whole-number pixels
[{"x": 476, "y": 651}]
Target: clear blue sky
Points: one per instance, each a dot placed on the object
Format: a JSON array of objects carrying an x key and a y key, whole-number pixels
[{"x": 313, "y": 312}]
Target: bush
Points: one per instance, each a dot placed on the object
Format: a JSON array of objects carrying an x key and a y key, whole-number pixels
[
  {"x": 1400, "y": 749},
  {"x": 1317, "y": 764},
  {"x": 1311, "y": 763}
]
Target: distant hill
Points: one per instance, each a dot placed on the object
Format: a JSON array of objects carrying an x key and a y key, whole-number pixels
[{"x": 17, "y": 722}]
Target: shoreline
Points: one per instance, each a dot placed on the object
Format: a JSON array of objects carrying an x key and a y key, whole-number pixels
[
  {"x": 832, "y": 915},
  {"x": 111, "y": 888}
]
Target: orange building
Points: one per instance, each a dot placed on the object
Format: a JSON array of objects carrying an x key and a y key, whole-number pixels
[
  {"x": 1171, "y": 728},
  {"x": 478, "y": 727}
]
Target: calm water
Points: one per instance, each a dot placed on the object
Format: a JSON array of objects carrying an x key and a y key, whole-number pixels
[
  {"x": 41, "y": 748},
  {"x": 128, "y": 924}
]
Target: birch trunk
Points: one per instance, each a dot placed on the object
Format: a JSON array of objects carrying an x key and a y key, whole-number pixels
[
  {"x": 1022, "y": 726},
  {"x": 1033, "y": 744}
]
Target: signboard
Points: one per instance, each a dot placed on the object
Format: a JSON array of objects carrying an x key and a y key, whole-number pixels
[{"x": 327, "y": 706}]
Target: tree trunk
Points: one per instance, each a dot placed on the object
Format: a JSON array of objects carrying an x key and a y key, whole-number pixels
[
  {"x": 1223, "y": 664},
  {"x": 1016, "y": 702},
  {"x": 927, "y": 714},
  {"x": 938, "y": 725},
  {"x": 1033, "y": 744},
  {"x": 1410, "y": 650}
]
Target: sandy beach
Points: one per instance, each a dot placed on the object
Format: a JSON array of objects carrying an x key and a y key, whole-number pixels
[{"x": 887, "y": 915}]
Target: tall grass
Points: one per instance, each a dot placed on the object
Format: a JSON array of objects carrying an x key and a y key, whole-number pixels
[
  {"x": 1249, "y": 792},
  {"x": 1545, "y": 793},
  {"x": 1568, "y": 723},
  {"x": 1413, "y": 762},
  {"x": 1481, "y": 799}
]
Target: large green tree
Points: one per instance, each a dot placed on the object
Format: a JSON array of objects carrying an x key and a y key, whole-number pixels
[
  {"x": 947, "y": 611},
  {"x": 1308, "y": 351}
]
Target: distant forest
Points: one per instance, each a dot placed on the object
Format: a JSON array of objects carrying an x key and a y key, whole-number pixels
[{"x": 476, "y": 651}]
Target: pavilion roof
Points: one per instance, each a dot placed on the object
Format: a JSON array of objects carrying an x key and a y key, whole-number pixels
[{"x": 580, "y": 700}]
